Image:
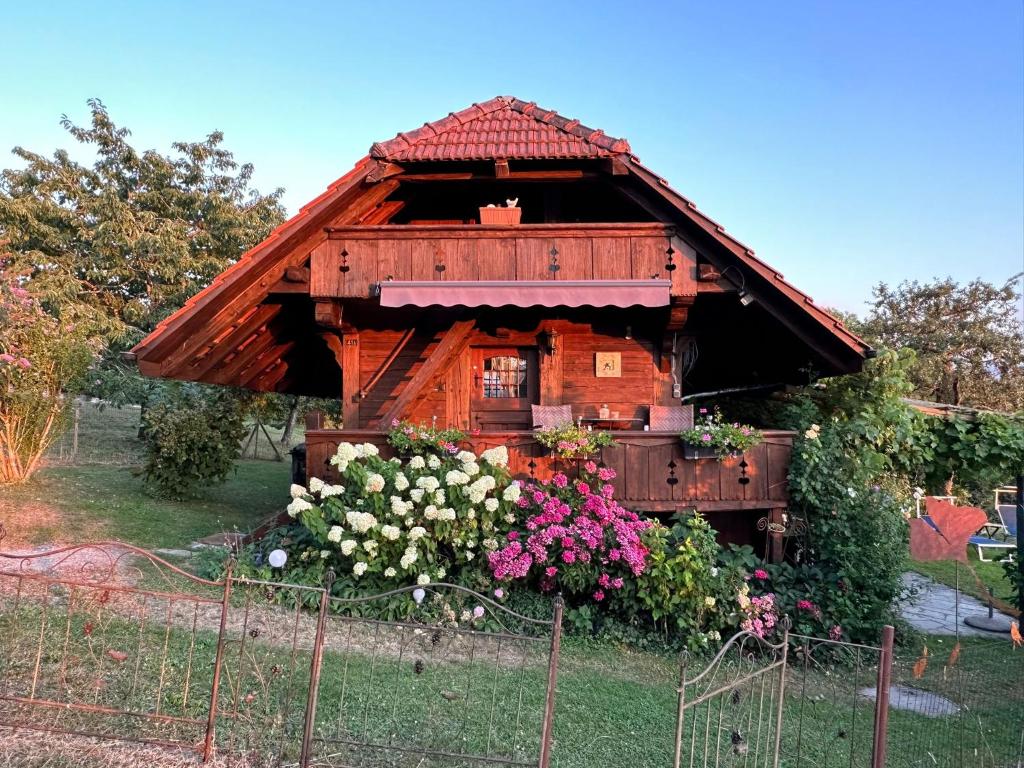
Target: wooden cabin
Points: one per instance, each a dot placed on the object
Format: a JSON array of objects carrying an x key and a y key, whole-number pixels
[{"x": 609, "y": 290}]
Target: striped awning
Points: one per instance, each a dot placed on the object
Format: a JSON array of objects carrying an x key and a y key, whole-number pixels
[{"x": 525, "y": 293}]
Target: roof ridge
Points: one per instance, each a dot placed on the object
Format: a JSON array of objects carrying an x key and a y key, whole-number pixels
[{"x": 455, "y": 120}]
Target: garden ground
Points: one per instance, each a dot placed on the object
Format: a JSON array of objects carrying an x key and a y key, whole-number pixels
[{"x": 616, "y": 706}]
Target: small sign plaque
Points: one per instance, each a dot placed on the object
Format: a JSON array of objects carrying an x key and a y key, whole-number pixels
[{"x": 608, "y": 365}]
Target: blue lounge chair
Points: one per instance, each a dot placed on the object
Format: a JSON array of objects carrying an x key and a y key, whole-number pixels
[{"x": 1001, "y": 535}]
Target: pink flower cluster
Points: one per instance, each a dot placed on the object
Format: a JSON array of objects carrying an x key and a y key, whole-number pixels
[
  {"x": 809, "y": 607},
  {"x": 761, "y": 615},
  {"x": 574, "y": 526},
  {"x": 21, "y": 362},
  {"x": 580, "y": 445}
]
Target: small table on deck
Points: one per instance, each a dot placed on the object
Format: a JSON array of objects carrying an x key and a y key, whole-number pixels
[{"x": 610, "y": 423}]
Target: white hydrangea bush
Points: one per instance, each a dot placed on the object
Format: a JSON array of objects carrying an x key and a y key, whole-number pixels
[{"x": 411, "y": 522}]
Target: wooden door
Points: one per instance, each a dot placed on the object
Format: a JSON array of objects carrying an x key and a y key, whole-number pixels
[{"x": 504, "y": 386}]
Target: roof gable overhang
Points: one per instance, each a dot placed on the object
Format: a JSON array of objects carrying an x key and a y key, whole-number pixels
[{"x": 498, "y": 130}]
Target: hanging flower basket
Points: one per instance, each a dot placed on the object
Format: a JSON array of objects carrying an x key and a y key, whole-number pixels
[
  {"x": 694, "y": 451},
  {"x": 711, "y": 437}
]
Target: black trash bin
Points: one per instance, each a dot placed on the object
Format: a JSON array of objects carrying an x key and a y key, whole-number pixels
[{"x": 299, "y": 464}]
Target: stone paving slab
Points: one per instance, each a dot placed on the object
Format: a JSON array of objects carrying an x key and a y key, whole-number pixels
[{"x": 932, "y": 608}]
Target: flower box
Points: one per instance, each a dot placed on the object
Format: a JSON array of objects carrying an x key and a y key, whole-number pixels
[
  {"x": 691, "y": 451},
  {"x": 505, "y": 216}
]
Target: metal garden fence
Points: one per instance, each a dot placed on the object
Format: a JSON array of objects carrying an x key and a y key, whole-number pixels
[{"x": 108, "y": 640}]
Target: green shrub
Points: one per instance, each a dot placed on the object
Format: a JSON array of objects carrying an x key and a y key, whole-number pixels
[
  {"x": 191, "y": 438},
  {"x": 684, "y": 591},
  {"x": 386, "y": 524},
  {"x": 857, "y": 532}
]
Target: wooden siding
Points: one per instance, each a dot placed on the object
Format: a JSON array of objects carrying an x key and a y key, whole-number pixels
[
  {"x": 354, "y": 259},
  {"x": 653, "y": 475},
  {"x": 389, "y": 359}
]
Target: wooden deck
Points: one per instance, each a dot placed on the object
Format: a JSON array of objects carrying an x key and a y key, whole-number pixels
[{"x": 653, "y": 475}]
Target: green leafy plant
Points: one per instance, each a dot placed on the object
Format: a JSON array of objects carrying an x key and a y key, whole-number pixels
[
  {"x": 408, "y": 439},
  {"x": 684, "y": 591},
  {"x": 713, "y": 431},
  {"x": 192, "y": 438},
  {"x": 857, "y": 527},
  {"x": 573, "y": 441},
  {"x": 1015, "y": 577}
]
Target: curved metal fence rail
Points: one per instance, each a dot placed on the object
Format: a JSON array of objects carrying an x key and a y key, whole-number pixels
[
  {"x": 108, "y": 640},
  {"x": 730, "y": 713}
]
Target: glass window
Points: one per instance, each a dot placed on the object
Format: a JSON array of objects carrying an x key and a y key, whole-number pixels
[{"x": 504, "y": 377}]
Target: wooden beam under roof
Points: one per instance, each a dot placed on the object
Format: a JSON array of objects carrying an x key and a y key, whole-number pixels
[
  {"x": 553, "y": 175},
  {"x": 249, "y": 325},
  {"x": 264, "y": 362},
  {"x": 229, "y": 371},
  {"x": 382, "y": 169}
]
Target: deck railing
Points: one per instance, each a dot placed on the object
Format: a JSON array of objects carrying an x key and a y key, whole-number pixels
[
  {"x": 353, "y": 260},
  {"x": 652, "y": 473}
]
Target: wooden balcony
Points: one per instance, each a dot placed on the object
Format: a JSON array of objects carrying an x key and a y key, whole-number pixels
[
  {"x": 653, "y": 475},
  {"x": 353, "y": 260}
]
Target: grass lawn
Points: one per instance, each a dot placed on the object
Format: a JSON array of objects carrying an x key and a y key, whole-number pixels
[
  {"x": 614, "y": 708},
  {"x": 71, "y": 504}
]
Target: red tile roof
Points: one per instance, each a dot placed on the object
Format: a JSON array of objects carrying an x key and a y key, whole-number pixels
[{"x": 503, "y": 128}]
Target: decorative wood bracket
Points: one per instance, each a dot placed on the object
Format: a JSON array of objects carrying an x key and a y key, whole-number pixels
[
  {"x": 382, "y": 170},
  {"x": 328, "y": 314},
  {"x": 616, "y": 167}
]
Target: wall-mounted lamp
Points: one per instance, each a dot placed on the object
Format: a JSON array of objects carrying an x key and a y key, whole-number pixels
[
  {"x": 629, "y": 332},
  {"x": 549, "y": 338},
  {"x": 746, "y": 297}
]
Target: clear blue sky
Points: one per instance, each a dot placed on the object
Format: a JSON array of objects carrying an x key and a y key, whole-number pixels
[{"x": 847, "y": 143}]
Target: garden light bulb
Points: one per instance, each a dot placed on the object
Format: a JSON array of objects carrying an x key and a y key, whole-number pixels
[
  {"x": 278, "y": 558},
  {"x": 418, "y": 594}
]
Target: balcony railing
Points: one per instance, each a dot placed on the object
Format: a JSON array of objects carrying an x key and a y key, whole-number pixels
[
  {"x": 652, "y": 473},
  {"x": 353, "y": 260}
]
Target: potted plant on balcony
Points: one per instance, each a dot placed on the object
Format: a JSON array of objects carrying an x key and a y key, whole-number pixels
[
  {"x": 571, "y": 441},
  {"x": 408, "y": 439},
  {"x": 509, "y": 215},
  {"x": 711, "y": 437}
]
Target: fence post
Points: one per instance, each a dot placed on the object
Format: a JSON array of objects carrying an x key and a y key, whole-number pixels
[
  {"x": 1020, "y": 555},
  {"x": 211, "y": 722},
  {"x": 782, "y": 691},
  {"x": 881, "y": 738},
  {"x": 74, "y": 433},
  {"x": 684, "y": 659},
  {"x": 314, "y": 671},
  {"x": 549, "y": 701}
]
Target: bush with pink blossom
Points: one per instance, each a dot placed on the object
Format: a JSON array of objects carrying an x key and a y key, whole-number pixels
[
  {"x": 43, "y": 362},
  {"x": 573, "y": 537}
]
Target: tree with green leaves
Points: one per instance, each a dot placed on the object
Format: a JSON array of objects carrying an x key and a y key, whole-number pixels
[
  {"x": 969, "y": 339},
  {"x": 122, "y": 242},
  {"x": 110, "y": 248}
]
